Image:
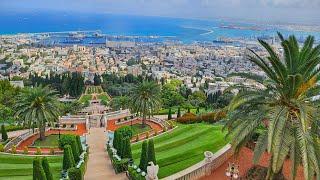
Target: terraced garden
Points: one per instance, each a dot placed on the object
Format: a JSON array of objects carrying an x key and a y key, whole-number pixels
[
  {"x": 184, "y": 147},
  {"x": 16, "y": 167}
]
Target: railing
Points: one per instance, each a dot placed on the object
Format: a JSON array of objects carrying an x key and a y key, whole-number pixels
[
  {"x": 17, "y": 140},
  {"x": 205, "y": 167}
]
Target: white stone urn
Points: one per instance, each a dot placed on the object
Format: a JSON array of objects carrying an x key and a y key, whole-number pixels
[
  {"x": 152, "y": 171},
  {"x": 208, "y": 156}
]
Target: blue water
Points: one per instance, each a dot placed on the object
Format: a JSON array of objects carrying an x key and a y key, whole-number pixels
[{"x": 186, "y": 30}]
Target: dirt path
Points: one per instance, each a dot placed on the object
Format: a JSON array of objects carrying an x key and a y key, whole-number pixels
[{"x": 99, "y": 165}]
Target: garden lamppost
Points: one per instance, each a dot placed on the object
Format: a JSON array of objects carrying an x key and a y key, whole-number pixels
[{"x": 232, "y": 171}]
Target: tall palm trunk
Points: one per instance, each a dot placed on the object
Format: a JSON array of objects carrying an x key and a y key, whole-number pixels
[{"x": 42, "y": 129}]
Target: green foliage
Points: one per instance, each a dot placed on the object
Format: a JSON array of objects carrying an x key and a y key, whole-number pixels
[
  {"x": 14, "y": 149},
  {"x": 144, "y": 156},
  {"x": 120, "y": 102},
  {"x": 151, "y": 153},
  {"x": 1, "y": 147},
  {"x": 189, "y": 118},
  {"x": 46, "y": 168},
  {"x": 4, "y": 134},
  {"x": 38, "y": 151},
  {"x": 198, "y": 98},
  {"x": 42, "y": 101},
  {"x": 282, "y": 108},
  {"x": 75, "y": 174},
  {"x": 126, "y": 148},
  {"x": 66, "y": 139},
  {"x": 79, "y": 144},
  {"x": 170, "y": 95},
  {"x": 134, "y": 175},
  {"x": 169, "y": 114},
  {"x": 68, "y": 159},
  {"x": 97, "y": 80},
  {"x": 38, "y": 171},
  {"x": 145, "y": 99},
  {"x": 179, "y": 112}
]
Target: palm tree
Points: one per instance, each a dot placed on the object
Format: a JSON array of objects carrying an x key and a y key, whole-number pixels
[
  {"x": 283, "y": 110},
  {"x": 37, "y": 105},
  {"x": 145, "y": 99}
]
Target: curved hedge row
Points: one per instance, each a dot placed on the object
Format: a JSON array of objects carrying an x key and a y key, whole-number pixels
[{"x": 190, "y": 118}]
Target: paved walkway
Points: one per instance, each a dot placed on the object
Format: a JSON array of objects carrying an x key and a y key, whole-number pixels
[{"x": 99, "y": 165}]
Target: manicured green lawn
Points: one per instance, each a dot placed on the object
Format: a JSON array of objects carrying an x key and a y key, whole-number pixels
[
  {"x": 103, "y": 97},
  {"x": 20, "y": 167},
  {"x": 85, "y": 98},
  {"x": 184, "y": 147},
  {"x": 50, "y": 141},
  {"x": 137, "y": 129}
]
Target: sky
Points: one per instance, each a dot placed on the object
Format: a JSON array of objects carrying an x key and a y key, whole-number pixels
[{"x": 273, "y": 11}]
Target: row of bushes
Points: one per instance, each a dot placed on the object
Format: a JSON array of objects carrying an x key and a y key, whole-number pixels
[
  {"x": 121, "y": 142},
  {"x": 189, "y": 118},
  {"x": 41, "y": 169},
  {"x": 119, "y": 165}
]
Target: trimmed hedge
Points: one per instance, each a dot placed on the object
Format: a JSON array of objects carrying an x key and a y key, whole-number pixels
[
  {"x": 190, "y": 118},
  {"x": 151, "y": 153},
  {"x": 118, "y": 165},
  {"x": 68, "y": 160},
  {"x": 134, "y": 175},
  {"x": 4, "y": 134},
  {"x": 38, "y": 171},
  {"x": 46, "y": 168},
  {"x": 144, "y": 156},
  {"x": 75, "y": 174}
]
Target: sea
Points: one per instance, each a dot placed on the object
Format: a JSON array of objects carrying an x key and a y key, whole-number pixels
[{"x": 184, "y": 30}]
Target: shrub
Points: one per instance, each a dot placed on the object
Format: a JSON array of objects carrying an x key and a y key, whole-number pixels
[
  {"x": 52, "y": 152},
  {"x": 134, "y": 175},
  {"x": 179, "y": 112},
  {"x": 38, "y": 172},
  {"x": 14, "y": 149},
  {"x": 144, "y": 156},
  {"x": 46, "y": 168},
  {"x": 4, "y": 134},
  {"x": 38, "y": 151},
  {"x": 25, "y": 150},
  {"x": 68, "y": 160},
  {"x": 147, "y": 135},
  {"x": 120, "y": 166},
  {"x": 66, "y": 139},
  {"x": 137, "y": 138},
  {"x": 1, "y": 147},
  {"x": 75, "y": 174},
  {"x": 126, "y": 149},
  {"x": 151, "y": 152},
  {"x": 79, "y": 144},
  {"x": 155, "y": 132},
  {"x": 169, "y": 114},
  {"x": 75, "y": 150},
  {"x": 213, "y": 117}
]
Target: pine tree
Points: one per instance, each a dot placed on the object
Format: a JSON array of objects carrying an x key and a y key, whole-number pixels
[
  {"x": 38, "y": 172},
  {"x": 4, "y": 134},
  {"x": 151, "y": 153},
  {"x": 68, "y": 160},
  {"x": 169, "y": 114},
  {"x": 144, "y": 157},
  {"x": 46, "y": 168},
  {"x": 179, "y": 112}
]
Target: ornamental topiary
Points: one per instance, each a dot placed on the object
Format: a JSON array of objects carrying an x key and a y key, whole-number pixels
[
  {"x": 38, "y": 172},
  {"x": 151, "y": 152},
  {"x": 25, "y": 150},
  {"x": 144, "y": 156},
  {"x": 68, "y": 160},
  {"x": 14, "y": 149},
  {"x": 1, "y": 147},
  {"x": 75, "y": 174},
  {"x": 79, "y": 144},
  {"x": 126, "y": 149},
  {"x": 75, "y": 150},
  {"x": 66, "y": 139},
  {"x": 38, "y": 151},
  {"x": 46, "y": 168},
  {"x": 169, "y": 114},
  {"x": 4, "y": 134}
]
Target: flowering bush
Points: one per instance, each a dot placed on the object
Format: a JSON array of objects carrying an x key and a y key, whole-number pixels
[{"x": 213, "y": 117}]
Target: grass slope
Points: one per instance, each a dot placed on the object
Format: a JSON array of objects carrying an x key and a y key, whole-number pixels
[
  {"x": 20, "y": 167},
  {"x": 184, "y": 147}
]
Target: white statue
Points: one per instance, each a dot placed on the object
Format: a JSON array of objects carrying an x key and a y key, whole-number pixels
[{"x": 152, "y": 171}]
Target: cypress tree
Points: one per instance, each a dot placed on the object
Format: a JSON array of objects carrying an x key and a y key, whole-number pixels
[
  {"x": 79, "y": 144},
  {"x": 151, "y": 153},
  {"x": 169, "y": 114},
  {"x": 75, "y": 151},
  {"x": 46, "y": 168},
  {"x": 144, "y": 157},
  {"x": 127, "y": 148},
  {"x": 115, "y": 139},
  {"x": 38, "y": 172},
  {"x": 75, "y": 174},
  {"x": 4, "y": 134},
  {"x": 68, "y": 160},
  {"x": 198, "y": 110},
  {"x": 189, "y": 110},
  {"x": 179, "y": 112}
]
